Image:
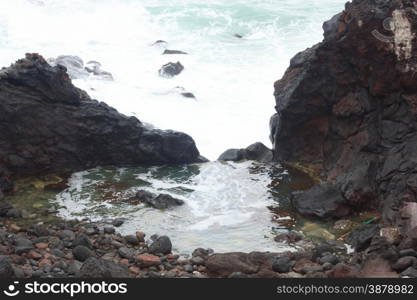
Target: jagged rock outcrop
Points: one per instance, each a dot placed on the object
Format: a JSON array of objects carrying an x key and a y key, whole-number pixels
[
  {"x": 48, "y": 124},
  {"x": 347, "y": 107}
]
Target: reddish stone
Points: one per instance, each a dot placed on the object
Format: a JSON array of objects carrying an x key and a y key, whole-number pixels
[
  {"x": 172, "y": 256},
  {"x": 140, "y": 236},
  {"x": 344, "y": 271},
  {"x": 134, "y": 270},
  {"x": 146, "y": 260},
  {"x": 44, "y": 262},
  {"x": 42, "y": 246},
  {"x": 34, "y": 255}
]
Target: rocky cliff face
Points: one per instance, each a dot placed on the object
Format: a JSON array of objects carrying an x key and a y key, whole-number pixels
[
  {"x": 347, "y": 108},
  {"x": 47, "y": 124}
]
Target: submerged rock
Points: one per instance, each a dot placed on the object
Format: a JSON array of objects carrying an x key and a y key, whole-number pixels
[
  {"x": 258, "y": 152},
  {"x": 64, "y": 129},
  {"x": 162, "y": 201},
  {"x": 167, "y": 51},
  {"x": 171, "y": 69},
  {"x": 76, "y": 69},
  {"x": 94, "y": 67},
  {"x": 73, "y": 64}
]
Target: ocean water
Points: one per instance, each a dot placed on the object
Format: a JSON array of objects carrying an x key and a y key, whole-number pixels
[{"x": 232, "y": 79}]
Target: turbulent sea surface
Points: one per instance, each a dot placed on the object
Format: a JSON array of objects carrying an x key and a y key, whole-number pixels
[{"x": 232, "y": 79}]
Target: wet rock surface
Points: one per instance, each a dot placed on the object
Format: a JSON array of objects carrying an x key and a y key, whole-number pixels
[
  {"x": 76, "y": 68},
  {"x": 67, "y": 130},
  {"x": 257, "y": 152},
  {"x": 345, "y": 108},
  {"x": 161, "y": 201},
  {"x": 171, "y": 69}
]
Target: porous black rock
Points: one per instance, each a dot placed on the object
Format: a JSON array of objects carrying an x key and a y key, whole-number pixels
[{"x": 60, "y": 127}]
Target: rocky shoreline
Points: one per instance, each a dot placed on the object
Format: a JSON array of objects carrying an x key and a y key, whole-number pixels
[{"x": 345, "y": 115}]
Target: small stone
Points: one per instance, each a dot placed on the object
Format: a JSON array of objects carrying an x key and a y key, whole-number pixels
[
  {"x": 134, "y": 270},
  {"x": 44, "y": 262},
  {"x": 127, "y": 253},
  {"x": 202, "y": 252},
  {"x": 132, "y": 239},
  {"x": 6, "y": 269},
  {"x": 391, "y": 234},
  {"x": 282, "y": 264},
  {"x": 109, "y": 229},
  {"x": 18, "y": 272},
  {"x": 82, "y": 253},
  {"x": 408, "y": 252},
  {"x": 140, "y": 236},
  {"x": 188, "y": 268},
  {"x": 82, "y": 240},
  {"x": 342, "y": 226},
  {"x": 146, "y": 260},
  {"x": 404, "y": 262},
  {"x": 34, "y": 255},
  {"x": 289, "y": 237},
  {"x": 67, "y": 235},
  {"x": 14, "y": 228},
  {"x": 161, "y": 245},
  {"x": 197, "y": 260},
  {"x": 327, "y": 266},
  {"x": 118, "y": 222},
  {"x": 23, "y": 245},
  {"x": 330, "y": 258},
  {"x": 58, "y": 253},
  {"x": 312, "y": 269},
  {"x": 74, "y": 267},
  {"x": 42, "y": 246},
  {"x": 410, "y": 272}
]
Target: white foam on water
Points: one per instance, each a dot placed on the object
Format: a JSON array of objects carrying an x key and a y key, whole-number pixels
[
  {"x": 232, "y": 78},
  {"x": 225, "y": 206}
]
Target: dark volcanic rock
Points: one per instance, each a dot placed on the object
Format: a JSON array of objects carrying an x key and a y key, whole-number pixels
[
  {"x": 162, "y": 201},
  {"x": 321, "y": 201},
  {"x": 73, "y": 64},
  {"x": 258, "y": 152},
  {"x": 223, "y": 265},
  {"x": 6, "y": 269},
  {"x": 101, "y": 268},
  {"x": 161, "y": 245},
  {"x": 361, "y": 237},
  {"x": 167, "y": 51},
  {"x": 282, "y": 264},
  {"x": 347, "y": 107},
  {"x": 82, "y": 253},
  {"x": 232, "y": 155},
  {"x": 171, "y": 69},
  {"x": 50, "y": 125}
]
